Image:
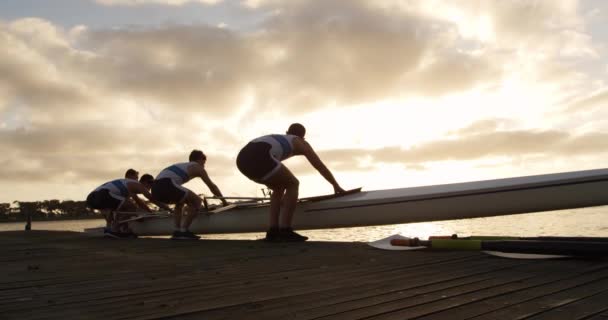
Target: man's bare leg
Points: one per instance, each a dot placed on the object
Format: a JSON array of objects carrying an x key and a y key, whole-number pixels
[
  {"x": 290, "y": 200},
  {"x": 194, "y": 205},
  {"x": 127, "y": 206},
  {"x": 276, "y": 199},
  {"x": 177, "y": 215},
  {"x": 287, "y": 184},
  {"x": 107, "y": 214}
]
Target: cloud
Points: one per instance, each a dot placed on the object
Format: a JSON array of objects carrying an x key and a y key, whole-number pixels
[
  {"x": 303, "y": 58},
  {"x": 355, "y": 53},
  {"x": 31, "y": 60},
  {"x": 148, "y": 2},
  {"x": 475, "y": 146},
  {"x": 589, "y": 103},
  {"x": 84, "y": 104},
  {"x": 91, "y": 151},
  {"x": 482, "y": 126}
]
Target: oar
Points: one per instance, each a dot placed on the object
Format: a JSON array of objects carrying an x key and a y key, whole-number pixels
[
  {"x": 314, "y": 198},
  {"x": 241, "y": 198},
  {"x": 222, "y": 209},
  {"x": 547, "y": 238},
  {"x": 145, "y": 215},
  {"x": 568, "y": 248},
  {"x": 164, "y": 212}
]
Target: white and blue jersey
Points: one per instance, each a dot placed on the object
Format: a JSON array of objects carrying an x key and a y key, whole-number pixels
[
  {"x": 261, "y": 158},
  {"x": 117, "y": 188},
  {"x": 178, "y": 173},
  {"x": 281, "y": 145}
]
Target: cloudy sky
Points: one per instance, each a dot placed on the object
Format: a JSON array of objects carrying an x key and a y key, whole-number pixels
[{"x": 393, "y": 93}]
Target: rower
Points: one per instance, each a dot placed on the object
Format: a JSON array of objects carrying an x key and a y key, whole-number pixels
[
  {"x": 119, "y": 195},
  {"x": 168, "y": 188},
  {"x": 260, "y": 161}
]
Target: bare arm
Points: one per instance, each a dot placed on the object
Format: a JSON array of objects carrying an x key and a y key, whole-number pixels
[
  {"x": 214, "y": 189},
  {"x": 302, "y": 147},
  {"x": 137, "y": 188},
  {"x": 140, "y": 203},
  {"x": 158, "y": 203}
]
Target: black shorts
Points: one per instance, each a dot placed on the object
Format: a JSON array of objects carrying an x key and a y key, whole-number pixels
[
  {"x": 103, "y": 200},
  {"x": 255, "y": 162},
  {"x": 165, "y": 190}
]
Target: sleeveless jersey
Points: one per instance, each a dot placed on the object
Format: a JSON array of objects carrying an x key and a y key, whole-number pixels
[
  {"x": 117, "y": 187},
  {"x": 281, "y": 145},
  {"x": 178, "y": 173}
]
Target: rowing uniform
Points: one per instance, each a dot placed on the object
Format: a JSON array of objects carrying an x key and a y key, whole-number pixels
[
  {"x": 167, "y": 187},
  {"x": 262, "y": 157},
  {"x": 110, "y": 195}
]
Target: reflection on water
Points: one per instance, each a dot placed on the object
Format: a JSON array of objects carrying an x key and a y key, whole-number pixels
[{"x": 577, "y": 222}]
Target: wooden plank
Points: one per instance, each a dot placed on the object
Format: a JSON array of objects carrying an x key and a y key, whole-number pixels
[
  {"x": 578, "y": 303},
  {"x": 420, "y": 306},
  {"x": 81, "y": 276},
  {"x": 248, "y": 293},
  {"x": 224, "y": 288},
  {"x": 518, "y": 304},
  {"x": 358, "y": 294}
]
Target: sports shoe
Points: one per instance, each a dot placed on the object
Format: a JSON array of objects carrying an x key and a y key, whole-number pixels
[
  {"x": 128, "y": 235},
  {"x": 177, "y": 235},
  {"x": 184, "y": 235},
  {"x": 288, "y": 235},
  {"x": 107, "y": 233},
  {"x": 190, "y": 236},
  {"x": 273, "y": 235}
]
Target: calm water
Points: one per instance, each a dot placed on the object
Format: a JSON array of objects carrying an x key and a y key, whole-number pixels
[{"x": 577, "y": 222}]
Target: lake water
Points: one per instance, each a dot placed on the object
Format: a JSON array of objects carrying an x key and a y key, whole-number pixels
[{"x": 576, "y": 222}]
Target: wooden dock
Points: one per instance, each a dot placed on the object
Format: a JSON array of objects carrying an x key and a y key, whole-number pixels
[{"x": 68, "y": 275}]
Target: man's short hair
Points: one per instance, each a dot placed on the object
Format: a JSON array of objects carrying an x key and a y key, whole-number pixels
[
  {"x": 196, "y": 155},
  {"x": 297, "y": 129},
  {"x": 146, "y": 178},
  {"x": 131, "y": 172}
]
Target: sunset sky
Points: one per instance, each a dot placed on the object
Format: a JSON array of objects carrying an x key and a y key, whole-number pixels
[{"x": 393, "y": 93}]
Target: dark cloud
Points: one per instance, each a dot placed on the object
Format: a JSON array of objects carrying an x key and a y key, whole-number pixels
[
  {"x": 351, "y": 52},
  {"x": 186, "y": 68},
  {"x": 90, "y": 152},
  {"x": 304, "y": 57},
  {"x": 31, "y": 77}
]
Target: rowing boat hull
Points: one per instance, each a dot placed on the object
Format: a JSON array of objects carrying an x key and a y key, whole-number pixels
[{"x": 418, "y": 204}]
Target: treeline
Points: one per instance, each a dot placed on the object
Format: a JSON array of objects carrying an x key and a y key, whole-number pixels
[{"x": 46, "y": 210}]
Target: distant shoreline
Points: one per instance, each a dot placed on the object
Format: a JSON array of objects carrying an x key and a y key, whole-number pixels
[{"x": 54, "y": 219}]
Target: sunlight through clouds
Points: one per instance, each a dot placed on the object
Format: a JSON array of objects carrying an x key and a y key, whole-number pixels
[{"x": 393, "y": 93}]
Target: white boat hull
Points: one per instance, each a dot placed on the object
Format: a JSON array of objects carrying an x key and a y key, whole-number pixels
[{"x": 431, "y": 203}]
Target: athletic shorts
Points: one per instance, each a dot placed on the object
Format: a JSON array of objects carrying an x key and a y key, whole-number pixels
[
  {"x": 167, "y": 191},
  {"x": 255, "y": 161},
  {"x": 104, "y": 200}
]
